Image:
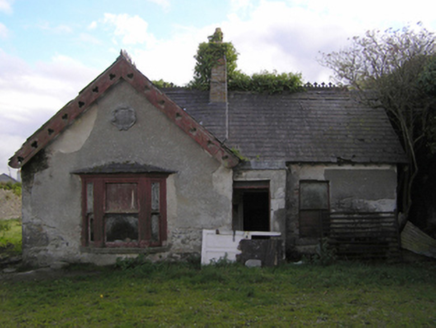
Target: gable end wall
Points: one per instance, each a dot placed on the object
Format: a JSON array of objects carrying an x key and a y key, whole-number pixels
[{"x": 198, "y": 194}]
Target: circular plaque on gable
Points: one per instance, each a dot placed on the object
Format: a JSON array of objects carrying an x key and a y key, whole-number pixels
[{"x": 123, "y": 118}]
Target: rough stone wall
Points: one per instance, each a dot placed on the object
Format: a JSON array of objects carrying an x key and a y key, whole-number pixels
[
  {"x": 352, "y": 188},
  {"x": 10, "y": 205},
  {"x": 198, "y": 194}
]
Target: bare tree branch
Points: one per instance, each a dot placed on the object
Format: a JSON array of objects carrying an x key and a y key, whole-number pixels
[{"x": 386, "y": 68}]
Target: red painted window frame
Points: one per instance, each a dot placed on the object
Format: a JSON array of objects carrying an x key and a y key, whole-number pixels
[{"x": 144, "y": 182}]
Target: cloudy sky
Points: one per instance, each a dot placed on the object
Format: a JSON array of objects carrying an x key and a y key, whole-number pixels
[{"x": 50, "y": 50}]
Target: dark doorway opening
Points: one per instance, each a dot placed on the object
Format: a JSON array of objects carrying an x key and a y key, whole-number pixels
[
  {"x": 251, "y": 206},
  {"x": 256, "y": 211}
]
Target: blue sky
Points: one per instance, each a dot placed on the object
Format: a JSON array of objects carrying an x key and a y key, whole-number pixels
[{"x": 50, "y": 50}]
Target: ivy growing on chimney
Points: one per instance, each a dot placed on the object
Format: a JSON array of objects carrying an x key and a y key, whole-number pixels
[{"x": 209, "y": 53}]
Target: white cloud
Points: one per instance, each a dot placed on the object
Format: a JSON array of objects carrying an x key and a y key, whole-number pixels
[
  {"x": 29, "y": 96},
  {"x": 373, "y": 13},
  {"x": 288, "y": 35},
  {"x": 173, "y": 59},
  {"x": 241, "y": 7},
  {"x": 59, "y": 29},
  {"x": 6, "y": 6},
  {"x": 271, "y": 36},
  {"x": 131, "y": 29},
  {"x": 277, "y": 36},
  {"x": 165, "y": 4},
  {"x": 89, "y": 39},
  {"x": 92, "y": 26},
  {"x": 9, "y": 144}
]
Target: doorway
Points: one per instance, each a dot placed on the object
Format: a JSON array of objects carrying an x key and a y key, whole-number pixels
[{"x": 251, "y": 206}]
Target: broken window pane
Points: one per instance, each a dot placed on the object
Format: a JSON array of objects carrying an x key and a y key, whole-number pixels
[
  {"x": 121, "y": 197},
  {"x": 155, "y": 227},
  {"x": 155, "y": 196},
  {"x": 121, "y": 228}
]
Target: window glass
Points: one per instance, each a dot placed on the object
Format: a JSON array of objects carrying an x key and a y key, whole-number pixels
[
  {"x": 89, "y": 197},
  {"x": 155, "y": 219},
  {"x": 90, "y": 218},
  {"x": 121, "y": 228},
  {"x": 314, "y": 206},
  {"x": 314, "y": 195},
  {"x": 155, "y": 196}
]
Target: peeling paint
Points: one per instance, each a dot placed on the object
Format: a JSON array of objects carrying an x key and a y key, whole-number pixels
[{"x": 73, "y": 138}]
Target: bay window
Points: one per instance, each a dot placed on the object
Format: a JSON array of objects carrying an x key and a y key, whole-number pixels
[{"x": 124, "y": 210}]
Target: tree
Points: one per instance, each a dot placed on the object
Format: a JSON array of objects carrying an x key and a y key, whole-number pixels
[
  {"x": 209, "y": 53},
  {"x": 388, "y": 69},
  {"x": 265, "y": 82}
]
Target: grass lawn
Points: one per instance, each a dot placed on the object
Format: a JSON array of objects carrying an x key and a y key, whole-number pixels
[
  {"x": 10, "y": 237},
  {"x": 185, "y": 295}
]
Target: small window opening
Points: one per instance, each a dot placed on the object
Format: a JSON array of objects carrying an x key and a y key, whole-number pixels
[{"x": 314, "y": 209}]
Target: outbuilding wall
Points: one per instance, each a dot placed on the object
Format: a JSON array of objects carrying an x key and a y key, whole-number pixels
[{"x": 352, "y": 188}]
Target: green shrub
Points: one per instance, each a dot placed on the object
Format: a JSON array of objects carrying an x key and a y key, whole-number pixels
[
  {"x": 14, "y": 187},
  {"x": 11, "y": 236}
]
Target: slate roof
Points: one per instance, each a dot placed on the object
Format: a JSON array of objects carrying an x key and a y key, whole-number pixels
[
  {"x": 4, "y": 178},
  {"x": 321, "y": 125}
]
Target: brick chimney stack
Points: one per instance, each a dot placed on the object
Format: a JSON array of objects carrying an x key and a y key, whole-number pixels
[
  {"x": 218, "y": 82},
  {"x": 218, "y": 78}
]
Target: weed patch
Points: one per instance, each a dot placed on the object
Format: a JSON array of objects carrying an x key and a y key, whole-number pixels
[
  {"x": 10, "y": 238},
  {"x": 14, "y": 187}
]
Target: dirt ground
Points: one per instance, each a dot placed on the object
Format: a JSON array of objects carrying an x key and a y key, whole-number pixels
[{"x": 10, "y": 205}]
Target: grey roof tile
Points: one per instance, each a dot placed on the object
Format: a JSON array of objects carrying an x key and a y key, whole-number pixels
[{"x": 312, "y": 126}]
